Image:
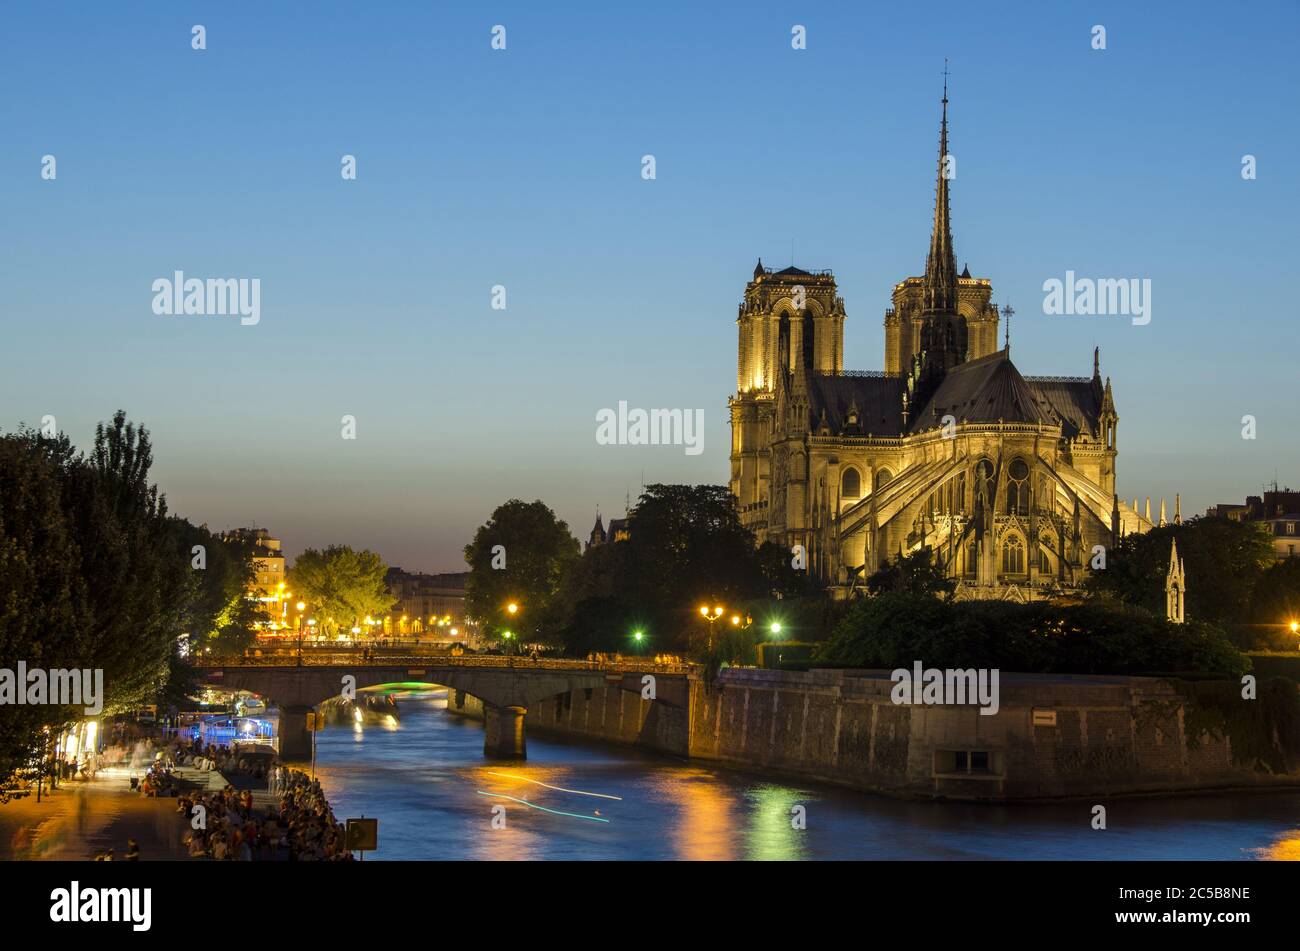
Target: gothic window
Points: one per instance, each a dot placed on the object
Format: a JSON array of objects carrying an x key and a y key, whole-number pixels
[
  {"x": 1018, "y": 488},
  {"x": 809, "y": 360},
  {"x": 971, "y": 558},
  {"x": 1043, "y": 556},
  {"x": 851, "y": 484},
  {"x": 883, "y": 478},
  {"x": 783, "y": 343},
  {"x": 985, "y": 481},
  {"x": 1013, "y": 555}
]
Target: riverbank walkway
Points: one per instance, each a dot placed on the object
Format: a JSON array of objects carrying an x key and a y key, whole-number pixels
[{"x": 84, "y": 818}]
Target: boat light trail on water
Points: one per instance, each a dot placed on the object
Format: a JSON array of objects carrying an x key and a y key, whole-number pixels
[
  {"x": 533, "y": 805},
  {"x": 576, "y": 792}
]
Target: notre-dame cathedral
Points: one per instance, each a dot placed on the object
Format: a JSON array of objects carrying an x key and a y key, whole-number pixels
[{"x": 1008, "y": 479}]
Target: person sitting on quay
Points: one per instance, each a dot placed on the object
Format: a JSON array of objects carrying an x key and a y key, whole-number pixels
[{"x": 302, "y": 828}]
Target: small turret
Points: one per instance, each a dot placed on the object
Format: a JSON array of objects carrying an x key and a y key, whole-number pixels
[{"x": 1175, "y": 587}]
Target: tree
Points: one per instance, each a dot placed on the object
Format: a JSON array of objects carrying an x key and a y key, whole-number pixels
[
  {"x": 780, "y": 578},
  {"x": 1224, "y": 561},
  {"x": 1096, "y": 637},
  {"x": 219, "y": 614},
  {"x": 137, "y": 577},
  {"x": 93, "y": 574},
  {"x": 341, "y": 585},
  {"x": 685, "y": 546},
  {"x": 519, "y": 556},
  {"x": 1275, "y": 603},
  {"x": 917, "y": 573},
  {"x": 43, "y": 610}
]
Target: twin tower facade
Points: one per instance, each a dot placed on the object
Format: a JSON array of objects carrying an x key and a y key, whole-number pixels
[{"x": 1008, "y": 480}]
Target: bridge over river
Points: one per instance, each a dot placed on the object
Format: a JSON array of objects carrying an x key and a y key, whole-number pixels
[{"x": 506, "y": 686}]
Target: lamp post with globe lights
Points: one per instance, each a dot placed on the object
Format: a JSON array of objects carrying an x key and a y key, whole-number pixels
[{"x": 711, "y": 615}]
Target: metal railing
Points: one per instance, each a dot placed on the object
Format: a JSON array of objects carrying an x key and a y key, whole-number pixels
[{"x": 356, "y": 658}]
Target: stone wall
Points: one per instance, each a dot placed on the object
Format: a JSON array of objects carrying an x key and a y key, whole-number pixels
[
  {"x": 1091, "y": 735},
  {"x": 617, "y": 713}
]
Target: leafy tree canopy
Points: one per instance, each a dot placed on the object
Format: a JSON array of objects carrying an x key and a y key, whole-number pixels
[
  {"x": 1096, "y": 637},
  {"x": 917, "y": 573},
  {"x": 341, "y": 586},
  {"x": 685, "y": 547},
  {"x": 519, "y": 556},
  {"x": 1224, "y": 561},
  {"x": 95, "y": 575}
]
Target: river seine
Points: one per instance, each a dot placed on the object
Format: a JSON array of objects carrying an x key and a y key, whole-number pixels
[{"x": 436, "y": 797}]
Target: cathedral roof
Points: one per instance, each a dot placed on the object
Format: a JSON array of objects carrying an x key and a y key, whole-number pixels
[
  {"x": 979, "y": 391},
  {"x": 1072, "y": 401},
  {"x": 877, "y": 398},
  {"x": 793, "y": 271},
  {"x": 987, "y": 390}
]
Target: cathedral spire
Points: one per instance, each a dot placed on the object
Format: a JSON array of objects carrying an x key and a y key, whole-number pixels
[{"x": 941, "y": 263}]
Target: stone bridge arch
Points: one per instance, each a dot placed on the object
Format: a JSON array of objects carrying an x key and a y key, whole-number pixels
[{"x": 506, "y": 693}]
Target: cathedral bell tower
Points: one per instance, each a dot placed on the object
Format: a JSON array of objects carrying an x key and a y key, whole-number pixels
[{"x": 789, "y": 319}]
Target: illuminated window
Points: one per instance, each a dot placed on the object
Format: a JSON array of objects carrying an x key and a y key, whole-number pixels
[
  {"x": 1018, "y": 488},
  {"x": 1013, "y": 556},
  {"x": 851, "y": 484}
]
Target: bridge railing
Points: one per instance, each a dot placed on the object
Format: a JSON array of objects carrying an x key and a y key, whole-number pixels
[{"x": 319, "y": 658}]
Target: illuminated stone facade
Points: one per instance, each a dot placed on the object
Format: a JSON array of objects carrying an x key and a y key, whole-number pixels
[{"x": 1008, "y": 479}]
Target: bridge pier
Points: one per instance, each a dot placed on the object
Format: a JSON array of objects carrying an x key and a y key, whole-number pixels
[
  {"x": 503, "y": 732},
  {"x": 295, "y": 738}
]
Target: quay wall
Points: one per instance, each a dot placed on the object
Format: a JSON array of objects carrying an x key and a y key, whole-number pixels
[{"x": 1054, "y": 736}]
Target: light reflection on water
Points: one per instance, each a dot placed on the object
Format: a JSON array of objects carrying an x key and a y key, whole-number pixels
[{"x": 422, "y": 778}]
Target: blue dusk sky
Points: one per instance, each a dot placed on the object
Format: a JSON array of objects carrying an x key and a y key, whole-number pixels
[{"x": 522, "y": 168}]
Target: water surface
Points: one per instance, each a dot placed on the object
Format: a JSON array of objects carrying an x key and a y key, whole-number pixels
[{"x": 426, "y": 780}]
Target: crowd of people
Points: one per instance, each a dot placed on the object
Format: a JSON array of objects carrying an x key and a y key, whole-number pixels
[
  {"x": 159, "y": 780},
  {"x": 132, "y": 853},
  {"x": 298, "y": 825},
  {"x": 225, "y": 761},
  {"x": 618, "y": 658},
  {"x": 302, "y": 828}
]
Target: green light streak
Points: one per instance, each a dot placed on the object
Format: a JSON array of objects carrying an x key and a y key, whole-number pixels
[{"x": 533, "y": 805}]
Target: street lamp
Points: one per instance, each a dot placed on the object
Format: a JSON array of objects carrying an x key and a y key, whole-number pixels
[
  {"x": 711, "y": 616},
  {"x": 637, "y": 638},
  {"x": 775, "y": 628}
]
